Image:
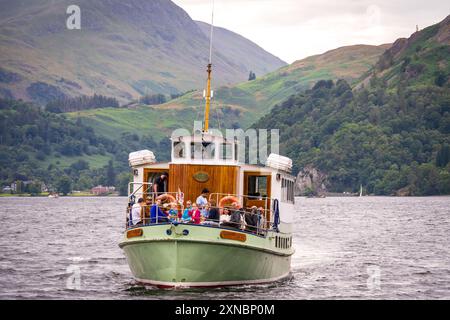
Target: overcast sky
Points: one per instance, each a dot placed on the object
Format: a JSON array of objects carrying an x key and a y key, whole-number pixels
[{"x": 295, "y": 29}]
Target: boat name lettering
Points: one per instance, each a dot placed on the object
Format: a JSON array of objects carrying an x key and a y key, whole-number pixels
[
  {"x": 233, "y": 236},
  {"x": 135, "y": 233}
]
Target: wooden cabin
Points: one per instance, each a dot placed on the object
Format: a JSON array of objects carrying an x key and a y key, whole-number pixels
[{"x": 212, "y": 162}]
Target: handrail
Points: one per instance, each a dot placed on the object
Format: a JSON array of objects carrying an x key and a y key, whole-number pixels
[
  {"x": 142, "y": 184},
  {"x": 146, "y": 220},
  {"x": 267, "y": 202},
  {"x": 264, "y": 212}
]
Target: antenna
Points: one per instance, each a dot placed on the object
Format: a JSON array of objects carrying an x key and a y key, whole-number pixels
[
  {"x": 208, "y": 86},
  {"x": 212, "y": 33}
]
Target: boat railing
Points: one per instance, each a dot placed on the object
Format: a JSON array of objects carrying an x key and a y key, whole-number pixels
[
  {"x": 260, "y": 227},
  {"x": 246, "y": 202},
  {"x": 144, "y": 190}
]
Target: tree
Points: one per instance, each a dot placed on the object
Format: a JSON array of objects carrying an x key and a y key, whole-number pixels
[
  {"x": 153, "y": 99},
  {"x": 64, "y": 185},
  {"x": 124, "y": 179},
  {"x": 110, "y": 174},
  {"x": 251, "y": 76},
  {"x": 441, "y": 79},
  {"x": 443, "y": 156}
]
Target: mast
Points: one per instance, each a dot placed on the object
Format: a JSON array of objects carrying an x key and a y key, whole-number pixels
[
  {"x": 208, "y": 95},
  {"x": 208, "y": 99}
]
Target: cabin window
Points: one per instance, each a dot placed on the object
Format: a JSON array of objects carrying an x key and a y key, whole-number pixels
[
  {"x": 236, "y": 152},
  {"x": 287, "y": 190},
  {"x": 257, "y": 186},
  {"x": 179, "y": 150},
  {"x": 203, "y": 151},
  {"x": 226, "y": 151}
]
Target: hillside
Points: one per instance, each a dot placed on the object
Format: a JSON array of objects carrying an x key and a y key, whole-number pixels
[
  {"x": 44, "y": 147},
  {"x": 123, "y": 50},
  {"x": 256, "y": 98},
  {"x": 391, "y": 135},
  {"x": 247, "y": 54},
  {"x": 418, "y": 60},
  {"x": 240, "y": 105}
]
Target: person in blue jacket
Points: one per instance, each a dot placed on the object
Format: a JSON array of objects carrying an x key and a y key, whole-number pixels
[{"x": 156, "y": 214}]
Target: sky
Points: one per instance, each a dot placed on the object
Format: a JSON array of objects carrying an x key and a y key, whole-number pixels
[{"x": 296, "y": 29}]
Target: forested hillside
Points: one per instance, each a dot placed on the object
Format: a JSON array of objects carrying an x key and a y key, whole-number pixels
[
  {"x": 50, "y": 150},
  {"x": 390, "y": 134}
]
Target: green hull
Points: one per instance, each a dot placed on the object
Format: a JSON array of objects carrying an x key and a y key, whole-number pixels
[{"x": 203, "y": 258}]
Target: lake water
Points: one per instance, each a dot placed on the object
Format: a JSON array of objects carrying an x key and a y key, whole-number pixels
[{"x": 351, "y": 248}]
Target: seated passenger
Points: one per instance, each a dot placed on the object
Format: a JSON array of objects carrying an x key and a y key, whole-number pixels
[
  {"x": 225, "y": 218},
  {"x": 137, "y": 212},
  {"x": 156, "y": 214},
  {"x": 261, "y": 220},
  {"x": 196, "y": 215},
  {"x": 186, "y": 217},
  {"x": 214, "y": 213},
  {"x": 238, "y": 217},
  {"x": 251, "y": 218},
  {"x": 173, "y": 212},
  {"x": 205, "y": 212}
]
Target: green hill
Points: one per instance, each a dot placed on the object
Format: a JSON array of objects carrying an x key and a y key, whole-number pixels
[
  {"x": 45, "y": 147},
  {"x": 256, "y": 98},
  {"x": 240, "y": 105},
  {"x": 124, "y": 49},
  {"x": 391, "y": 134}
]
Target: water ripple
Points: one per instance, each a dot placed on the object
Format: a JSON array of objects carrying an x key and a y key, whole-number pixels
[{"x": 340, "y": 243}]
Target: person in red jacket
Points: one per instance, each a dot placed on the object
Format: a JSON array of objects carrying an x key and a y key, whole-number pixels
[{"x": 196, "y": 215}]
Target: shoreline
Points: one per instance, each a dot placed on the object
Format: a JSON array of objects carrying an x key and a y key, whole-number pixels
[{"x": 83, "y": 195}]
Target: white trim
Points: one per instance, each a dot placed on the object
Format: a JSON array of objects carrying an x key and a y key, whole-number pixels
[{"x": 211, "y": 284}]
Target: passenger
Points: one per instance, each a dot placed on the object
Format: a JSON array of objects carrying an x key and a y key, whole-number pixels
[
  {"x": 196, "y": 215},
  {"x": 202, "y": 200},
  {"x": 186, "y": 217},
  {"x": 129, "y": 214},
  {"x": 205, "y": 212},
  {"x": 251, "y": 218},
  {"x": 214, "y": 213},
  {"x": 225, "y": 218},
  {"x": 261, "y": 220},
  {"x": 156, "y": 214},
  {"x": 238, "y": 217},
  {"x": 148, "y": 205},
  {"x": 137, "y": 212},
  {"x": 173, "y": 212},
  {"x": 159, "y": 186}
]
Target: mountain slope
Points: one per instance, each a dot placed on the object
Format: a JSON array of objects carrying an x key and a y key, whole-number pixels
[
  {"x": 237, "y": 48},
  {"x": 237, "y": 106},
  {"x": 417, "y": 60},
  {"x": 391, "y": 136},
  {"x": 124, "y": 49},
  {"x": 256, "y": 98}
]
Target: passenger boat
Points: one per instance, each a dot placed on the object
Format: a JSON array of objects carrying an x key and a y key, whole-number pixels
[{"x": 177, "y": 254}]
